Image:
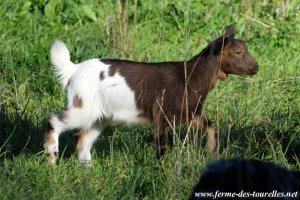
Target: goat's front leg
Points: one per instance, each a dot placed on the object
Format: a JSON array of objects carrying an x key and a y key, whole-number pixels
[
  {"x": 160, "y": 138},
  {"x": 204, "y": 124},
  {"x": 55, "y": 127}
]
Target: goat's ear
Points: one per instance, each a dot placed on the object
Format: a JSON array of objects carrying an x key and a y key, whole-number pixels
[
  {"x": 228, "y": 36},
  {"x": 230, "y": 31},
  {"x": 225, "y": 39}
]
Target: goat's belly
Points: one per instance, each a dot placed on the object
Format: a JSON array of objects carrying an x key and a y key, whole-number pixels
[{"x": 129, "y": 117}]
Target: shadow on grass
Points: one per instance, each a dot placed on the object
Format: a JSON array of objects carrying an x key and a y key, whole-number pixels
[
  {"x": 277, "y": 135},
  {"x": 19, "y": 134},
  {"x": 277, "y": 138}
]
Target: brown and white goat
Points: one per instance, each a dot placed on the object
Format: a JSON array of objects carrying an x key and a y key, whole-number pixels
[{"x": 164, "y": 93}]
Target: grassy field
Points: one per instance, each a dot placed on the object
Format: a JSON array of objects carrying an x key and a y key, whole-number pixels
[{"x": 256, "y": 117}]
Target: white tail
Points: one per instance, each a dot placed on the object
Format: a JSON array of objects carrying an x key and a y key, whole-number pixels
[{"x": 60, "y": 58}]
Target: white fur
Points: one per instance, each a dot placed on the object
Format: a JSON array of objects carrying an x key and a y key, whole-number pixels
[
  {"x": 110, "y": 99},
  {"x": 84, "y": 154},
  {"x": 60, "y": 58}
]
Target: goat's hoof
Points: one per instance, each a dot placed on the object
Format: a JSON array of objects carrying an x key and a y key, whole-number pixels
[
  {"x": 52, "y": 157},
  {"x": 85, "y": 163},
  {"x": 160, "y": 153},
  {"x": 213, "y": 155}
]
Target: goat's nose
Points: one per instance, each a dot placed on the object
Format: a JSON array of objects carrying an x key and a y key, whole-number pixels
[
  {"x": 256, "y": 65},
  {"x": 254, "y": 68}
]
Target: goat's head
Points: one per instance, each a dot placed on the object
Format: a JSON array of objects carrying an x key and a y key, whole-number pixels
[{"x": 235, "y": 58}]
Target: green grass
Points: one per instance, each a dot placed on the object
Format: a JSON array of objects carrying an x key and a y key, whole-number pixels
[{"x": 256, "y": 117}]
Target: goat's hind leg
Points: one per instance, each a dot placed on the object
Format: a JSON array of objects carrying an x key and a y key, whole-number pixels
[
  {"x": 204, "y": 124},
  {"x": 86, "y": 139}
]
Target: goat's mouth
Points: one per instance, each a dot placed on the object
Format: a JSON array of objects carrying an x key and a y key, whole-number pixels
[{"x": 252, "y": 71}]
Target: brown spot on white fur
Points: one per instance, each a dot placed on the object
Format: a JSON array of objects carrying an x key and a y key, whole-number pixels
[
  {"x": 80, "y": 137},
  {"x": 69, "y": 82},
  {"x": 62, "y": 116},
  {"x": 77, "y": 101},
  {"x": 49, "y": 139},
  {"x": 101, "y": 76}
]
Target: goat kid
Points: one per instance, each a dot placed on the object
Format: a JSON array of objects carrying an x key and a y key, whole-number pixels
[{"x": 108, "y": 90}]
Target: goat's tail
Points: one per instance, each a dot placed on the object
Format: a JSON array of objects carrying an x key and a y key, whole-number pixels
[{"x": 60, "y": 58}]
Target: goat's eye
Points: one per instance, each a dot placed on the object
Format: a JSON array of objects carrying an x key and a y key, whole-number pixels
[{"x": 238, "y": 52}]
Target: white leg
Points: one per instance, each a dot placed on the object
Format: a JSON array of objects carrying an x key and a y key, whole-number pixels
[
  {"x": 67, "y": 120},
  {"x": 212, "y": 141},
  {"x": 85, "y": 143},
  {"x": 204, "y": 124},
  {"x": 55, "y": 127}
]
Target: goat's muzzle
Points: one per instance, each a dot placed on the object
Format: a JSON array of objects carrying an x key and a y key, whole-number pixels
[{"x": 253, "y": 70}]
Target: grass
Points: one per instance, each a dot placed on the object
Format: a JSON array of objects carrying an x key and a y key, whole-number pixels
[{"x": 256, "y": 117}]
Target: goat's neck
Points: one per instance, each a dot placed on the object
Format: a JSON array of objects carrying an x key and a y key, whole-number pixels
[{"x": 203, "y": 72}]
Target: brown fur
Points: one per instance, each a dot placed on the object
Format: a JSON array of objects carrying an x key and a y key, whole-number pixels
[
  {"x": 62, "y": 115},
  {"x": 168, "y": 91},
  {"x": 80, "y": 137},
  {"x": 77, "y": 101},
  {"x": 48, "y": 139},
  {"x": 101, "y": 76}
]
